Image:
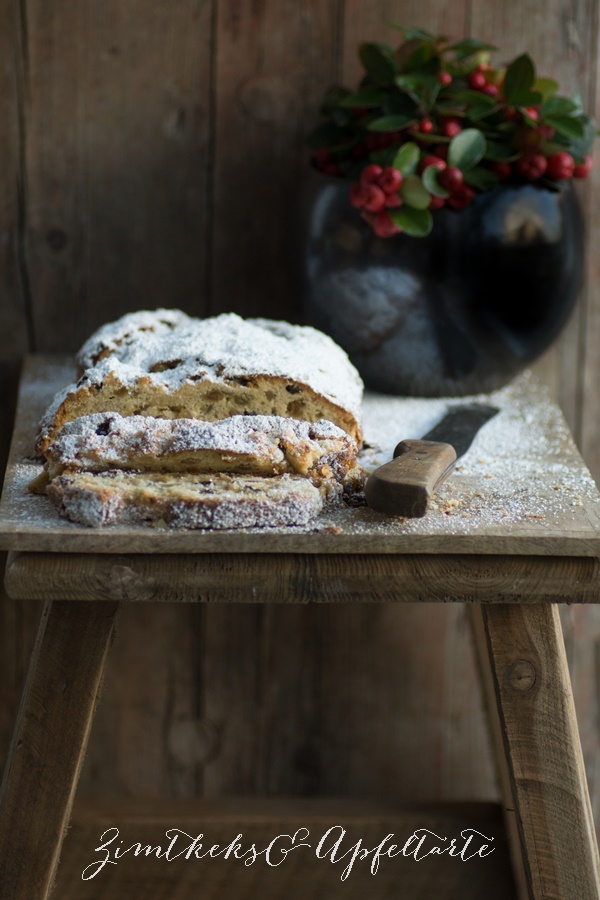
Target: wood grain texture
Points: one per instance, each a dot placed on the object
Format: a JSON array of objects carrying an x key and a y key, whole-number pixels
[
  {"x": 556, "y": 511},
  {"x": 273, "y": 62},
  {"x": 546, "y": 795},
  {"x": 49, "y": 743},
  {"x": 118, "y": 129},
  {"x": 303, "y": 578},
  {"x": 14, "y": 318},
  {"x": 111, "y": 123},
  {"x": 301, "y": 874}
]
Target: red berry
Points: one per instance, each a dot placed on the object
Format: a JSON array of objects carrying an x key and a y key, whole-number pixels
[
  {"x": 393, "y": 201},
  {"x": 358, "y": 195},
  {"x": 502, "y": 170},
  {"x": 476, "y": 80},
  {"x": 531, "y": 166},
  {"x": 533, "y": 113},
  {"x": 359, "y": 152},
  {"x": 441, "y": 151},
  {"x": 374, "y": 198},
  {"x": 445, "y": 78},
  {"x": 451, "y": 127},
  {"x": 491, "y": 90},
  {"x": 331, "y": 168},
  {"x": 426, "y": 126},
  {"x": 461, "y": 197},
  {"x": 437, "y": 203},
  {"x": 383, "y": 225},
  {"x": 547, "y": 132},
  {"x": 370, "y": 173},
  {"x": 560, "y": 166},
  {"x": 360, "y": 111},
  {"x": 389, "y": 180},
  {"x": 451, "y": 178},
  {"x": 427, "y": 161},
  {"x": 583, "y": 169}
]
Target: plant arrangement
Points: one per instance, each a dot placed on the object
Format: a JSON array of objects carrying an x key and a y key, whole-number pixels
[{"x": 433, "y": 123}]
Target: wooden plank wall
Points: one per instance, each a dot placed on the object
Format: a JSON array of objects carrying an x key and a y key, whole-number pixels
[{"x": 153, "y": 154}]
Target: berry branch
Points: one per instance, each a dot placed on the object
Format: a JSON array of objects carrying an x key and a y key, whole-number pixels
[{"x": 433, "y": 123}]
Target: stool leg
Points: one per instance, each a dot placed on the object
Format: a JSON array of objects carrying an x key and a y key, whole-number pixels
[
  {"x": 49, "y": 743},
  {"x": 534, "y": 728}
]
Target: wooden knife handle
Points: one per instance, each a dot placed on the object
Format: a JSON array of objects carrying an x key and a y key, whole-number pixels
[{"x": 404, "y": 486}]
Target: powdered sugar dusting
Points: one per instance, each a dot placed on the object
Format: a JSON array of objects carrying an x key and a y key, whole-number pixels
[
  {"x": 225, "y": 347},
  {"x": 199, "y": 502},
  {"x": 522, "y": 481}
]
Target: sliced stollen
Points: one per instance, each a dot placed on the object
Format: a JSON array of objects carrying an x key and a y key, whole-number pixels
[
  {"x": 168, "y": 365},
  {"x": 185, "y": 501},
  {"x": 256, "y": 445}
]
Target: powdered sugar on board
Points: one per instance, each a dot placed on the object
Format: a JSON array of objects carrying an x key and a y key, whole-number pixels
[{"x": 522, "y": 482}]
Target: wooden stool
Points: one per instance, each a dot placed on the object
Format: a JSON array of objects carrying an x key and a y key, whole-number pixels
[{"x": 512, "y": 578}]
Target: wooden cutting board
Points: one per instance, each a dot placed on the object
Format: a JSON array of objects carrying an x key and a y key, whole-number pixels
[{"x": 522, "y": 488}]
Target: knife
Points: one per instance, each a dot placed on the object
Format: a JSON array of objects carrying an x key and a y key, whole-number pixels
[{"x": 404, "y": 486}]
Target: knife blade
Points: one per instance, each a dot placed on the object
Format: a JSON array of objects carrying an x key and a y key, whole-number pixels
[{"x": 404, "y": 486}]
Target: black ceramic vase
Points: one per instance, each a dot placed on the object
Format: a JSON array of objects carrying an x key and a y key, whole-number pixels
[{"x": 458, "y": 312}]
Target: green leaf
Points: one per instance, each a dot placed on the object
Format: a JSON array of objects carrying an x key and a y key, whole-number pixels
[
  {"x": 390, "y": 123},
  {"x": 547, "y": 87},
  {"x": 583, "y": 145},
  {"x": 383, "y": 157},
  {"x": 477, "y": 105},
  {"x": 498, "y": 152},
  {"x": 368, "y": 99},
  {"x": 466, "y": 149},
  {"x": 466, "y": 48},
  {"x": 430, "y": 178},
  {"x": 566, "y": 125},
  {"x": 422, "y": 87},
  {"x": 414, "y": 193},
  {"x": 406, "y": 159},
  {"x": 481, "y": 178},
  {"x": 377, "y": 62},
  {"x": 468, "y": 97},
  {"x": 559, "y": 106},
  {"x": 526, "y": 98},
  {"x": 414, "y": 222},
  {"x": 333, "y": 98},
  {"x": 520, "y": 76},
  {"x": 397, "y": 103}
]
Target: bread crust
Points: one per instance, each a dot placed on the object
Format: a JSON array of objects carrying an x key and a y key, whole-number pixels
[{"x": 210, "y": 369}]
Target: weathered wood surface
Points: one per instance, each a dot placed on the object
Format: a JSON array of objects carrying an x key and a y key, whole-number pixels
[
  {"x": 301, "y": 874},
  {"x": 49, "y": 743},
  {"x": 114, "y": 117},
  {"x": 487, "y": 506},
  {"x": 546, "y": 799},
  {"x": 303, "y": 578}
]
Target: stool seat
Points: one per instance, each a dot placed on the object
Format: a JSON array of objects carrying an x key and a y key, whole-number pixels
[{"x": 512, "y": 552}]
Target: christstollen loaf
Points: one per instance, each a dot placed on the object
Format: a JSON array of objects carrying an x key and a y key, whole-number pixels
[{"x": 166, "y": 364}]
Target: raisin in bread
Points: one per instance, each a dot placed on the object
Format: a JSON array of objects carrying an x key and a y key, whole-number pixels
[
  {"x": 185, "y": 501},
  {"x": 256, "y": 445},
  {"x": 168, "y": 365}
]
